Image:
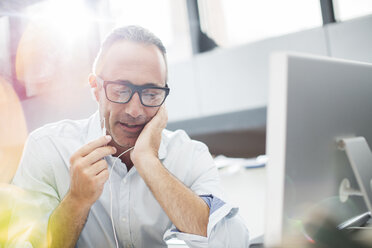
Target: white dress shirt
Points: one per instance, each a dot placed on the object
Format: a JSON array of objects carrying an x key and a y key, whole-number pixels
[{"x": 138, "y": 218}]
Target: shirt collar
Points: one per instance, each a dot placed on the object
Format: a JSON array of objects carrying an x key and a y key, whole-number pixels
[{"x": 95, "y": 131}]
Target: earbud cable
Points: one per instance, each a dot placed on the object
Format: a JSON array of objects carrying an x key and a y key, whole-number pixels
[{"x": 112, "y": 220}]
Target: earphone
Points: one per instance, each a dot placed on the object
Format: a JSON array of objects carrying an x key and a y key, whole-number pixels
[
  {"x": 113, "y": 165},
  {"x": 104, "y": 126}
]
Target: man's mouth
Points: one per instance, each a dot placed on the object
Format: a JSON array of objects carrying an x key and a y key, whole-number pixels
[{"x": 133, "y": 128}]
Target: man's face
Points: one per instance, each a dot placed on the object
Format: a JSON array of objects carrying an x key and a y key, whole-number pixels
[{"x": 140, "y": 64}]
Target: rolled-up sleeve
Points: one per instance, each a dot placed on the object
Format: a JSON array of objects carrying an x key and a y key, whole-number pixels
[{"x": 225, "y": 227}]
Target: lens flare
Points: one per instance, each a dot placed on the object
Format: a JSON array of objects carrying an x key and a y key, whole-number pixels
[
  {"x": 13, "y": 131},
  {"x": 23, "y": 217},
  {"x": 53, "y": 45}
]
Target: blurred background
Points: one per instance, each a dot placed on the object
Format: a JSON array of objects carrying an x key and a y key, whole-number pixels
[{"x": 218, "y": 53}]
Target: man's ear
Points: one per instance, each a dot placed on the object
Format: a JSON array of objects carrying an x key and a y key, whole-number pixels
[{"x": 94, "y": 87}]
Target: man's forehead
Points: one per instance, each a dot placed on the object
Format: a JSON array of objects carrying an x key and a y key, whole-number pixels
[
  {"x": 126, "y": 57},
  {"x": 133, "y": 50}
]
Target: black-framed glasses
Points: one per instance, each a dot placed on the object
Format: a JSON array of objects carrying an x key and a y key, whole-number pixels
[{"x": 123, "y": 91}]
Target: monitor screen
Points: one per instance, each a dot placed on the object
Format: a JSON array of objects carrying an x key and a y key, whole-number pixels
[{"x": 313, "y": 102}]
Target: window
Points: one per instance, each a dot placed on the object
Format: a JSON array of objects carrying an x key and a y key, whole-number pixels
[
  {"x": 5, "y": 69},
  {"x": 167, "y": 19},
  {"x": 233, "y": 22},
  {"x": 349, "y": 9},
  {"x": 54, "y": 49},
  {"x": 56, "y": 41}
]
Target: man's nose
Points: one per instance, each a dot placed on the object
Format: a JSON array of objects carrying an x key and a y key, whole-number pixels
[{"x": 134, "y": 107}]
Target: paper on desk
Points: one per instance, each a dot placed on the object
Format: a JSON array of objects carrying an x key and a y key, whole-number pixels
[{"x": 232, "y": 165}]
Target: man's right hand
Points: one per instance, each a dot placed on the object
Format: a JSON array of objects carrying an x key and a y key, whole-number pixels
[{"x": 89, "y": 171}]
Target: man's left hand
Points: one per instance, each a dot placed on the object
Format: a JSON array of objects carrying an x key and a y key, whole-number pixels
[{"x": 148, "y": 142}]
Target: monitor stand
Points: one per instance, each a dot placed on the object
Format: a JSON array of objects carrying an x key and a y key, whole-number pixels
[{"x": 360, "y": 158}]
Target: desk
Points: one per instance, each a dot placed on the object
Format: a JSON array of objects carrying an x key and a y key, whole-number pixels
[{"x": 246, "y": 189}]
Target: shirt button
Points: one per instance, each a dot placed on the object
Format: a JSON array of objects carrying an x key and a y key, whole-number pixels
[
  {"x": 124, "y": 180},
  {"x": 123, "y": 219}
]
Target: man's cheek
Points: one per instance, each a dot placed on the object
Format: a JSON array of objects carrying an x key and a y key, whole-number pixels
[{"x": 154, "y": 111}]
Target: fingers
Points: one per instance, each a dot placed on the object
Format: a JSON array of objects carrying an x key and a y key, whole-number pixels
[
  {"x": 91, "y": 146},
  {"x": 102, "y": 177},
  {"x": 162, "y": 112},
  {"x": 89, "y": 171},
  {"x": 92, "y": 152},
  {"x": 98, "y": 154},
  {"x": 164, "y": 116},
  {"x": 160, "y": 119},
  {"x": 96, "y": 168}
]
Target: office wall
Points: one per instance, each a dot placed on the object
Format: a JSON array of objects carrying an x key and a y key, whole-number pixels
[
  {"x": 220, "y": 81},
  {"x": 237, "y": 78},
  {"x": 351, "y": 40},
  {"x": 234, "y": 79}
]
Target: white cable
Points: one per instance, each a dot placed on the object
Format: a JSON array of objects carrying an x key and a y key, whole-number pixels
[
  {"x": 360, "y": 227},
  {"x": 113, "y": 165},
  {"x": 112, "y": 220}
]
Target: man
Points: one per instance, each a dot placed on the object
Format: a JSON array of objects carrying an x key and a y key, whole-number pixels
[{"x": 165, "y": 186}]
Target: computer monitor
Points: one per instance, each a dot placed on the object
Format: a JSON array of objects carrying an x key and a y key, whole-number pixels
[{"x": 313, "y": 102}]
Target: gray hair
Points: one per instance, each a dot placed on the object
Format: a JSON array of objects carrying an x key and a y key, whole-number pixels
[{"x": 131, "y": 33}]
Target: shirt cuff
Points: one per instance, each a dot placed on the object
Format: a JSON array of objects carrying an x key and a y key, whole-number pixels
[{"x": 218, "y": 211}]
